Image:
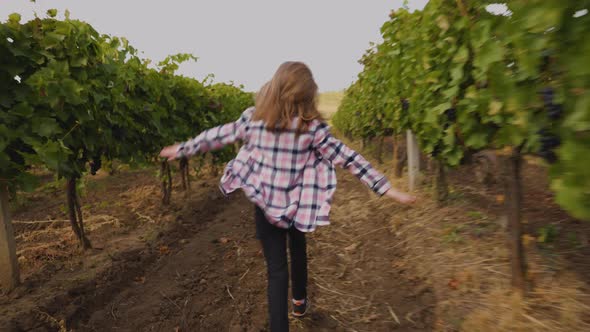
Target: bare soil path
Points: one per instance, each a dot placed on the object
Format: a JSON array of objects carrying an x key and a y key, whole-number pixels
[{"x": 212, "y": 276}]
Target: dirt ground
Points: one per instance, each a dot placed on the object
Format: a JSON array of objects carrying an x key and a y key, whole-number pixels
[
  {"x": 196, "y": 265},
  {"x": 215, "y": 280}
]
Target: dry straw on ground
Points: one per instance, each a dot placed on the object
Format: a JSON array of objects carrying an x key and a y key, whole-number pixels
[{"x": 470, "y": 272}]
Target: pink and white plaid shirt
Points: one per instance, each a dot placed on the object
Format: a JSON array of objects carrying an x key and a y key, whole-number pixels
[{"x": 291, "y": 178}]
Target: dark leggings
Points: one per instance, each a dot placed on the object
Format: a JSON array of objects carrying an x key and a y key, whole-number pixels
[{"x": 274, "y": 245}]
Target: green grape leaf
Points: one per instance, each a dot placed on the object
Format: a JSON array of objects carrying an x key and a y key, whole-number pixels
[
  {"x": 477, "y": 140},
  {"x": 27, "y": 182},
  {"x": 52, "y": 13},
  {"x": 44, "y": 127},
  {"x": 14, "y": 18},
  {"x": 490, "y": 53},
  {"x": 579, "y": 119},
  {"x": 79, "y": 61}
]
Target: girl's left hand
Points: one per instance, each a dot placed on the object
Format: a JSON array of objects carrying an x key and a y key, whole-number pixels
[
  {"x": 170, "y": 152},
  {"x": 401, "y": 197}
]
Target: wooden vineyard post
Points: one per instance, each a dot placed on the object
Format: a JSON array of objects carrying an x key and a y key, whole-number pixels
[
  {"x": 184, "y": 173},
  {"x": 187, "y": 176},
  {"x": 423, "y": 163},
  {"x": 395, "y": 155},
  {"x": 513, "y": 189},
  {"x": 9, "y": 275},
  {"x": 379, "y": 151},
  {"x": 413, "y": 160},
  {"x": 441, "y": 186},
  {"x": 166, "y": 178},
  {"x": 399, "y": 155}
]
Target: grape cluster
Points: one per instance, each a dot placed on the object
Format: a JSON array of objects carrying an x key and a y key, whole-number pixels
[
  {"x": 95, "y": 165},
  {"x": 554, "y": 111},
  {"x": 437, "y": 149},
  {"x": 549, "y": 142},
  {"x": 451, "y": 114},
  {"x": 118, "y": 133},
  {"x": 15, "y": 152},
  {"x": 546, "y": 60},
  {"x": 405, "y": 105}
]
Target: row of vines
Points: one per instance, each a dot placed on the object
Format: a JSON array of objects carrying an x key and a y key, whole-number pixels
[
  {"x": 71, "y": 98},
  {"x": 465, "y": 76}
]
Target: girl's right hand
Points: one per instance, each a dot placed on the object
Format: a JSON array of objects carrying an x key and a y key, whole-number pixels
[
  {"x": 401, "y": 197},
  {"x": 170, "y": 152}
]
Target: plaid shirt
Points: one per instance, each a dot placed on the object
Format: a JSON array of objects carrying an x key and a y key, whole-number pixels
[{"x": 291, "y": 178}]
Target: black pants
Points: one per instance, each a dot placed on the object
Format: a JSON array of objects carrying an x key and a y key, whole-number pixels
[{"x": 274, "y": 245}]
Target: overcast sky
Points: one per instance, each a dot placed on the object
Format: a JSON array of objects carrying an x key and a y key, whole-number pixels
[{"x": 239, "y": 40}]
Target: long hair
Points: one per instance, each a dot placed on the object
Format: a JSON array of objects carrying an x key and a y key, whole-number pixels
[{"x": 291, "y": 93}]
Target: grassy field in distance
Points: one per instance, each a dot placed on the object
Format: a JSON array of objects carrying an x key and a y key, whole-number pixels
[{"x": 329, "y": 102}]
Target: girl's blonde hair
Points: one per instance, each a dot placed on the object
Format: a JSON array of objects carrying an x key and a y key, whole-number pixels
[{"x": 292, "y": 92}]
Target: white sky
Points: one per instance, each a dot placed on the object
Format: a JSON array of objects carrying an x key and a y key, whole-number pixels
[{"x": 237, "y": 40}]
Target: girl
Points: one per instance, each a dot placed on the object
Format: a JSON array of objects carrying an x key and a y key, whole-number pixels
[{"x": 286, "y": 168}]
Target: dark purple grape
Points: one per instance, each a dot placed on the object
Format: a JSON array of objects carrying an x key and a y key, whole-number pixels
[
  {"x": 451, "y": 114},
  {"x": 118, "y": 133},
  {"x": 437, "y": 150},
  {"x": 547, "y": 94},
  {"x": 555, "y": 112},
  {"x": 405, "y": 105},
  {"x": 549, "y": 156},
  {"x": 95, "y": 165},
  {"x": 546, "y": 60},
  {"x": 549, "y": 142},
  {"x": 15, "y": 157},
  {"x": 15, "y": 152}
]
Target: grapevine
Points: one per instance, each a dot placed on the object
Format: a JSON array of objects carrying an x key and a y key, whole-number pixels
[
  {"x": 70, "y": 96},
  {"x": 464, "y": 79}
]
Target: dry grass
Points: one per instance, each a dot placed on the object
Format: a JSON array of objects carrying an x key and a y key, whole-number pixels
[
  {"x": 115, "y": 206},
  {"x": 43, "y": 243},
  {"x": 349, "y": 264},
  {"x": 329, "y": 102},
  {"x": 470, "y": 273},
  {"x": 56, "y": 241},
  {"x": 141, "y": 198}
]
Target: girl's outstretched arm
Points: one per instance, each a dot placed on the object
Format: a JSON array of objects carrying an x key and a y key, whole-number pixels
[
  {"x": 211, "y": 139},
  {"x": 338, "y": 153}
]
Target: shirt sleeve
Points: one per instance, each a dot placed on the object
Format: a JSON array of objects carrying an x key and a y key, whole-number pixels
[
  {"x": 217, "y": 137},
  {"x": 339, "y": 154}
]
